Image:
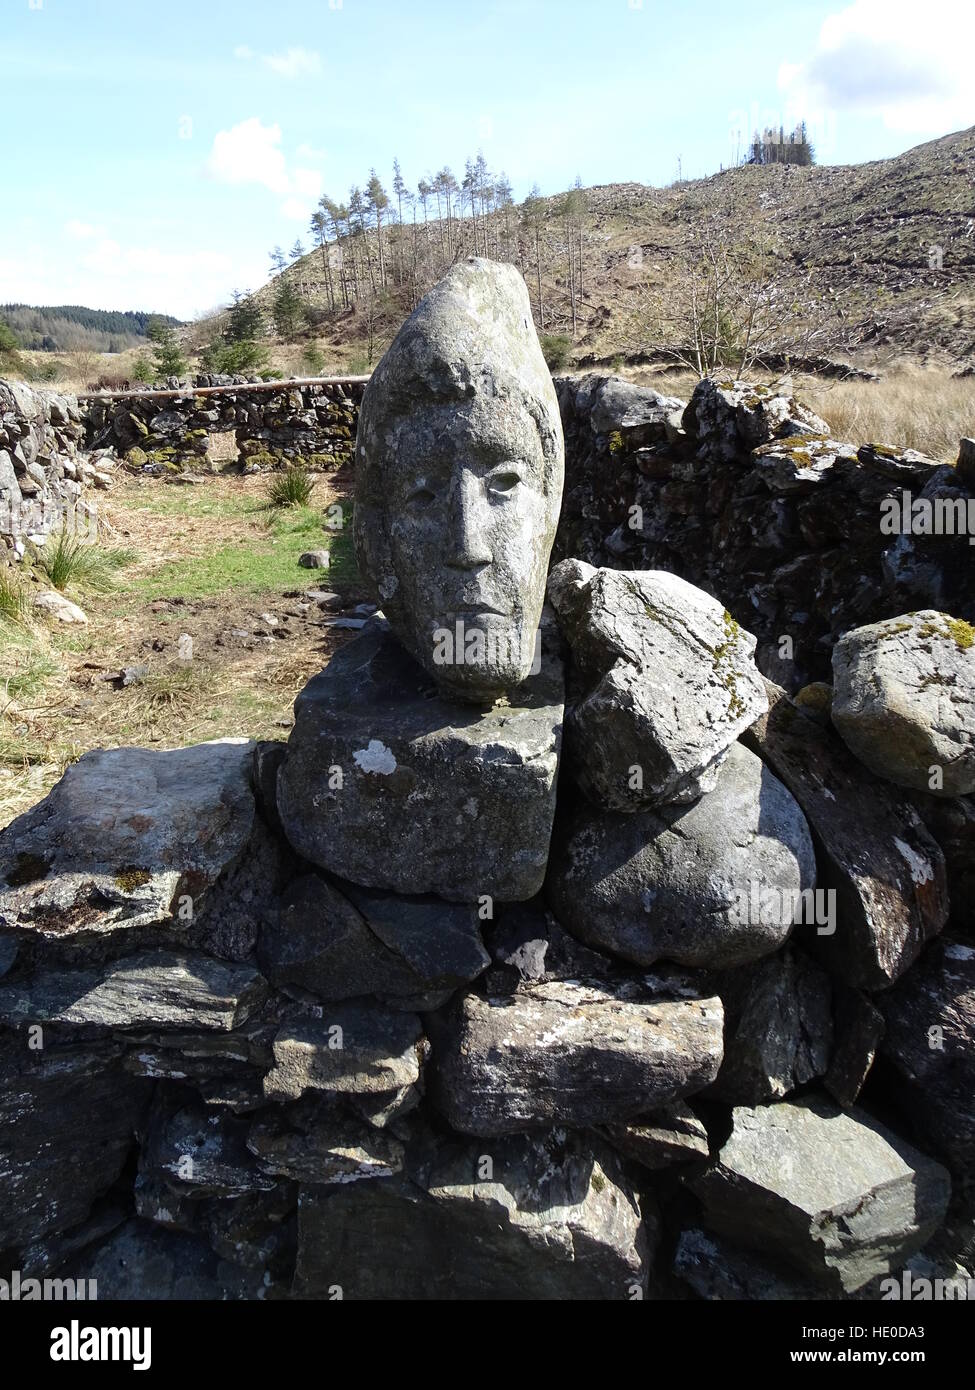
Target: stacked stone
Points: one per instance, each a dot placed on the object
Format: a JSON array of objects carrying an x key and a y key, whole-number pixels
[
  {"x": 497, "y": 980},
  {"x": 43, "y": 466},
  {"x": 744, "y": 493},
  {"x": 311, "y": 423}
]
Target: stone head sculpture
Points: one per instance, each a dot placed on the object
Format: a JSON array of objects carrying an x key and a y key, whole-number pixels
[{"x": 458, "y": 482}]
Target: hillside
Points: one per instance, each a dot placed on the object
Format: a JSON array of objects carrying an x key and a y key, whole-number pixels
[
  {"x": 74, "y": 327},
  {"x": 874, "y": 261}
]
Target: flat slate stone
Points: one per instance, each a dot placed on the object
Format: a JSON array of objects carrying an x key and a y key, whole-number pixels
[
  {"x": 352, "y": 1047},
  {"x": 930, "y": 1044},
  {"x": 548, "y": 1216},
  {"x": 156, "y": 989},
  {"x": 340, "y": 944},
  {"x": 874, "y": 852},
  {"x": 389, "y": 785}
]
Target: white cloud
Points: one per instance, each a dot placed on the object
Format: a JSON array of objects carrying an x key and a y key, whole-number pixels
[
  {"x": 250, "y": 153},
  {"x": 293, "y": 62},
  {"x": 295, "y": 210},
  {"x": 908, "y": 65},
  {"x": 80, "y": 231}
]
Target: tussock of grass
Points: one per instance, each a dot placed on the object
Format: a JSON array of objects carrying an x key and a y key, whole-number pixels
[
  {"x": 292, "y": 488},
  {"x": 14, "y": 600},
  {"x": 68, "y": 561}
]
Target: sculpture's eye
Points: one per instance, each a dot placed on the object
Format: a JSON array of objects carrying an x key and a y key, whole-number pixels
[
  {"x": 504, "y": 481},
  {"x": 421, "y": 496}
]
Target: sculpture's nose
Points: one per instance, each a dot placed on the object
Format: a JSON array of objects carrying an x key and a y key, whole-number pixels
[{"x": 468, "y": 525}]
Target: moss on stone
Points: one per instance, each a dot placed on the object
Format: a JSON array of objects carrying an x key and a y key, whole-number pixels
[{"x": 130, "y": 878}]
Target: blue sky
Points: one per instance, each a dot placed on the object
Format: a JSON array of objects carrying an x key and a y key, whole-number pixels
[{"x": 155, "y": 152}]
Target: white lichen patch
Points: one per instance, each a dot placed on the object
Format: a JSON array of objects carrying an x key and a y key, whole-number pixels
[{"x": 375, "y": 758}]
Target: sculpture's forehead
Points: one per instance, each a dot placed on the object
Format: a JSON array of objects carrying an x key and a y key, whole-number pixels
[{"x": 482, "y": 425}]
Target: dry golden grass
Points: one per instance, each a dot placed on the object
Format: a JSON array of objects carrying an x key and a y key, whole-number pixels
[{"x": 914, "y": 409}]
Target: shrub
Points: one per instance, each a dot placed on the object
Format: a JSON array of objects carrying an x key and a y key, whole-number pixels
[
  {"x": 557, "y": 349},
  {"x": 240, "y": 356},
  {"x": 292, "y": 488},
  {"x": 313, "y": 360}
]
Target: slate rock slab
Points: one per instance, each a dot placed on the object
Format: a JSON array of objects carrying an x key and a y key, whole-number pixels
[
  {"x": 874, "y": 853},
  {"x": 350, "y": 1048},
  {"x": 334, "y": 944},
  {"x": 68, "y": 1119},
  {"x": 127, "y": 838},
  {"x": 155, "y": 989},
  {"x": 388, "y": 785},
  {"x": 778, "y": 1027},
  {"x": 930, "y": 1045},
  {"x": 832, "y": 1193},
  {"x": 550, "y": 1216}
]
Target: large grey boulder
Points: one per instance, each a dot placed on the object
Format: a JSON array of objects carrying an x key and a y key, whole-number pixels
[
  {"x": 459, "y": 470},
  {"x": 547, "y": 1216},
  {"x": 884, "y": 872},
  {"x": 904, "y": 700},
  {"x": 410, "y": 952},
  {"x": 570, "y": 1052},
  {"x": 714, "y": 884},
  {"x": 832, "y": 1193},
  {"x": 129, "y": 838},
  {"x": 669, "y": 683},
  {"x": 930, "y": 1046},
  {"x": 389, "y": 785}
]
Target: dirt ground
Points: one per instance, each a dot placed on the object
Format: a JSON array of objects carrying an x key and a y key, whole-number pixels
[{"x": 210, "y": 630}]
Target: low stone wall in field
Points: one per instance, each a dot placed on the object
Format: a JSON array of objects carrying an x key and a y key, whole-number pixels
[{"x": 274, "y": 424}]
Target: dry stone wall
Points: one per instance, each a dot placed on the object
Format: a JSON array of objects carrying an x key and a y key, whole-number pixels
[
  {"x": 44, "y": 468},
  {"x": 744, "y": 493},
  {"x": 275, "y": 424}
]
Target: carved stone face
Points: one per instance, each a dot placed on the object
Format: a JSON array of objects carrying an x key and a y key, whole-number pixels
[{"x": 459, "y": 481}]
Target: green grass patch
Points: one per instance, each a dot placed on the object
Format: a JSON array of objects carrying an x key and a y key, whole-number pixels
[{"x": 267, "y": 561}]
